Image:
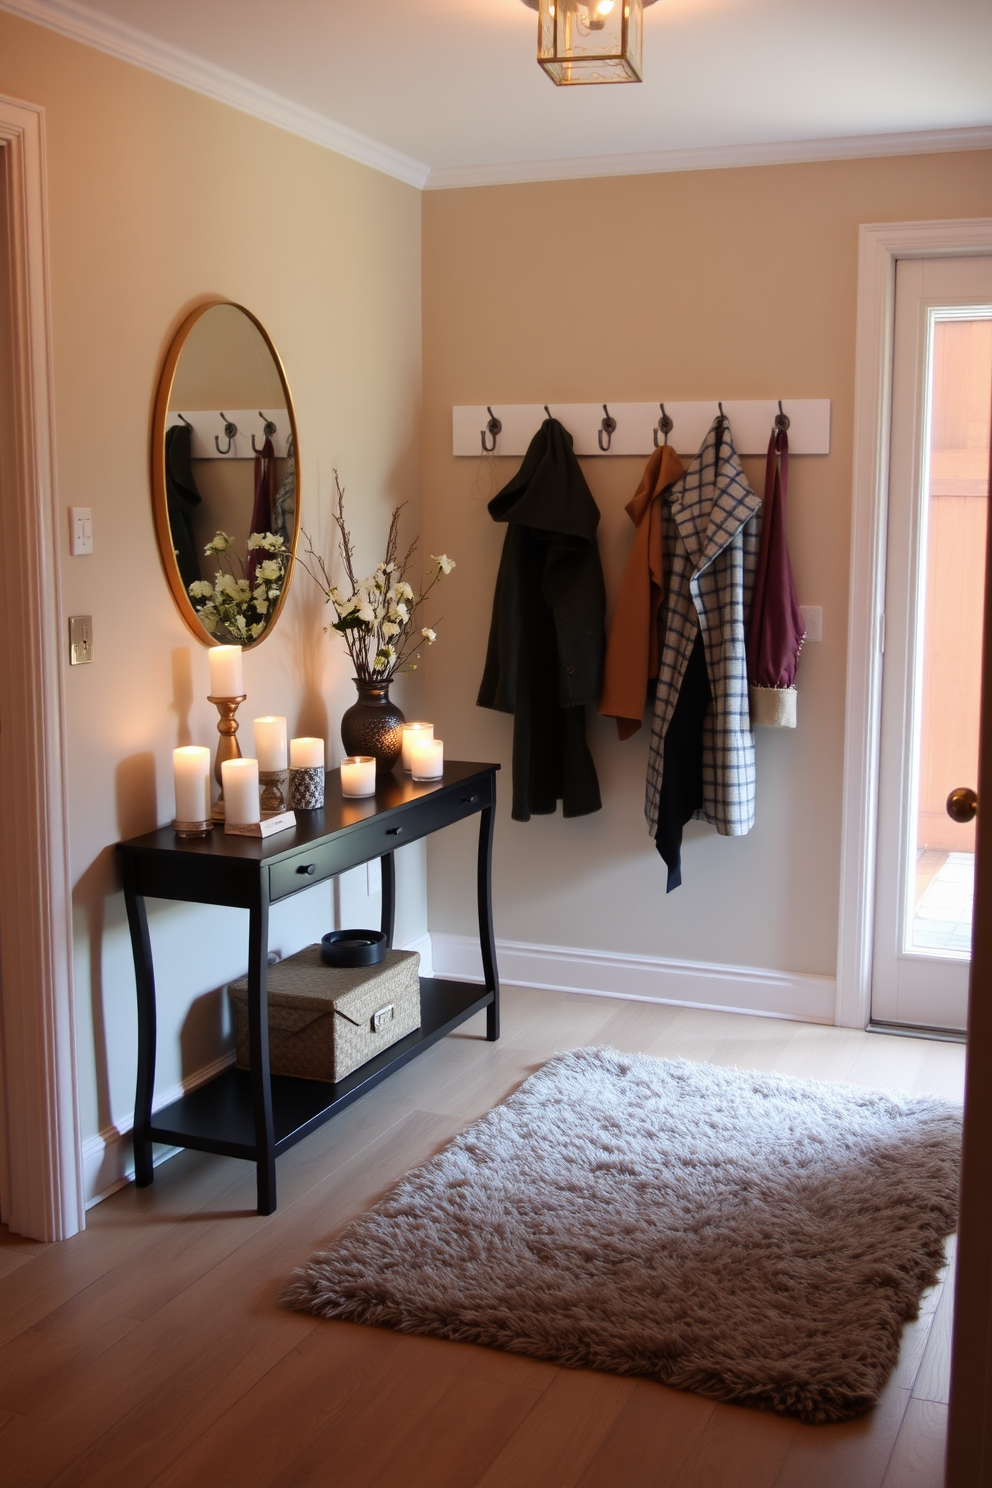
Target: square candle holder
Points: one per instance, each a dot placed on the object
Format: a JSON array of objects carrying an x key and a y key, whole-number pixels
[
  {"x": 273, "y": 790},
  {"x": 306, "y": 787}
]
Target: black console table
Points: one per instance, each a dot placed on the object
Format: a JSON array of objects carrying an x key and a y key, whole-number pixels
[{"x": 257, "y": 1115}]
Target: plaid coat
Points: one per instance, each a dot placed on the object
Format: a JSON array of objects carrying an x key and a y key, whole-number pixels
[{"x": 710, "y": 542}]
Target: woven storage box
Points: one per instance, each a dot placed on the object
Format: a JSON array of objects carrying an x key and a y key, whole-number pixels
[{"x": 325, "y": 1021}]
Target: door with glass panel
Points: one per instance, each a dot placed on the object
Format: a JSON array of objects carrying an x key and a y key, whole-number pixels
[{"x": 931, "y": 634}]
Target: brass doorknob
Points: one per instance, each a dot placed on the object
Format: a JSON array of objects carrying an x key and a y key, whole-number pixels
[{"x": 962, "y": 804}]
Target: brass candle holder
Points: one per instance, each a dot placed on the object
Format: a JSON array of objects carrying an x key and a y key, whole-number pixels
[{"x": 228, "y": 747}]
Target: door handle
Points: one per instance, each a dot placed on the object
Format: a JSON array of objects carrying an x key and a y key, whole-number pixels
[{"x": 962, "y": 804}]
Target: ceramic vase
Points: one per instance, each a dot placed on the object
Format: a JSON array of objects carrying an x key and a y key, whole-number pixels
[{"x": 373, "y": 725}]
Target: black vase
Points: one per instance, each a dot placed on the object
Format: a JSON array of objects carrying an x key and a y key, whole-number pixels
[{"x": 373, "y": 725}]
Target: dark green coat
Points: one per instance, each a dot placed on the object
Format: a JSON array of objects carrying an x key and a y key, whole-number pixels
[{"x": 547, "y": 639}]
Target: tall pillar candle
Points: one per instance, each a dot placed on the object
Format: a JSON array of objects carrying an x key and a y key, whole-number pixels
[
  {"x": 226, "y": 677},
  {"x": 191, "y": 774},
  {"x": 412, "y": 733},
  {"x": 270, "y": 743},
  {"x": 240, "y": 778}
]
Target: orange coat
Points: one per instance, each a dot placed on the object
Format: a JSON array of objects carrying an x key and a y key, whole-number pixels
[{"x": 632, "y": 650}]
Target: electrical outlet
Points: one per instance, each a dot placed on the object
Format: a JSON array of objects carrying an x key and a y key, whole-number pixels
[
  {"x": 813, "y": 621},
  {"x": 80, "y": 531},
  {"x": 374, "y": 877},
  {"x": 80, "y": 639}
]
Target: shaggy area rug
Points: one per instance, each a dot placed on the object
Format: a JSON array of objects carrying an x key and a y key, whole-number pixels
[{"x": 747, "y": 1236}]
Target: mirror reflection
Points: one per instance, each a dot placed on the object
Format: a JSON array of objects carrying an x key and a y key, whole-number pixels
[{"x": 226, "y": 467}]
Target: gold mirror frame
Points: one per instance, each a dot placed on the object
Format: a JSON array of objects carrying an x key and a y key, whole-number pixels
[{"x": 163, "y": 529}]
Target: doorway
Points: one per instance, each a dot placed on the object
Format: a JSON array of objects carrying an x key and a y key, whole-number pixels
[{"x": 933, "y": 615}]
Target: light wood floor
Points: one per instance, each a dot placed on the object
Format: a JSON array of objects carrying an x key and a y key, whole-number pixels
[{"x": 151, "y": 1350}]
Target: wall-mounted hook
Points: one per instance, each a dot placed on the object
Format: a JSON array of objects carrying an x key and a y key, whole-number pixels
[
  {"x": 722, "y": 414},
  {"x": 607, "y": 427},
  {"x": 665, "y": 426},
  {"x": 782, "y": 419},
  {"x": 268, "y": 429},
  {"x": 229, "y": 432},
  {"x": 548, "y": 411},
  {"x": 493, "y": 428},
  {"x": 186, "y": 422}
]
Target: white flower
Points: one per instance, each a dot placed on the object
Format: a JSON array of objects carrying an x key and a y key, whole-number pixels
[
  {"x": 430, "y": 636},
  {"x": 366, "y": 614},
  {"x": 389, "y": 629},
  {"x": 348, "y": 605},
  {"x": 270, "y": 569},
  {"x": 267, "y": 540},
  {"x": 219, "y": 544},
  {"x": 444, "y": 563},
  {"x": 403, "y": 590},
  {"x": 201, "y": 589}
]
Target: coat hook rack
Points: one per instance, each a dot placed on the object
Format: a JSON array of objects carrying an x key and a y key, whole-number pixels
[
  {"x": 229, "y": 432},
  {"x": 782, "y": 420},
  {"x": 637, "y": 428},
  {"x": 664, "y": 426},
  {"x": 493, "y": 428},
  {"x": 268, "y": 429}
]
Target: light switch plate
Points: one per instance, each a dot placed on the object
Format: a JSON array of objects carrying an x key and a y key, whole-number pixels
[
  {"x": 813, "y": 621},
  {"x": 80, "y": 639},
  {"x": 80, "y": 531}
]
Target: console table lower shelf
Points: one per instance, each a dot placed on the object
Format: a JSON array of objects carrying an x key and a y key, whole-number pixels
[{"x": 219, "y": 1115}]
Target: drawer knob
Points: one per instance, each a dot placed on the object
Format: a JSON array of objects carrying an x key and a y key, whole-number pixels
[
  {"x": 310, "y": 868},
  {"x": 470, "y": 800},
  {"x": 394, "y": 831}
]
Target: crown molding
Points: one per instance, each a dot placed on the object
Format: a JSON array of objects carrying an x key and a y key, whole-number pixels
[
  {"x": 711, "y": 157},
  {"x": 128, "y": 44}
]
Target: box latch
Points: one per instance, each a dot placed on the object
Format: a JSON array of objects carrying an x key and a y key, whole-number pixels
[{"x": 382, "y": 1017}]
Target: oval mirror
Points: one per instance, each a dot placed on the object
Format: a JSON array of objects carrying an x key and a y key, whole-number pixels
[{"x": 225, "y": 476}]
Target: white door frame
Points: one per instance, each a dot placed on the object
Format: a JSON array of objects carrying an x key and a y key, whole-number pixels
[
  {"x": 881, "y": 245},
  {"x": 40, "y": 1148}
]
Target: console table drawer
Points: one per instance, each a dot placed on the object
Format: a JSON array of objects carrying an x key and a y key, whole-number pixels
[{"x": 305, "y": 869}]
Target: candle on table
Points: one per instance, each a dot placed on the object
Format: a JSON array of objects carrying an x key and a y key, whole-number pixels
[
  {"x": 411, "y": 733},
  {"x": 191, "y": 773},
  {"x": 240, "y": 779},
  {"x": 270, "y": 743},
  {"x": 427, "y": 759},
  {"x": 306, "y": 754},
  {"x": 226, "y": 680},
  {"x": 358, "y": 775}
]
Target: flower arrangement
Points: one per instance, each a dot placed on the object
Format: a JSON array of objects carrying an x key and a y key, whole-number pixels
[
  {"x": 241, "y": 603},
  {"x": 376, "y": 618}
]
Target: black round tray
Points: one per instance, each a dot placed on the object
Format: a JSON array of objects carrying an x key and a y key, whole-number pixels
[{"x": 353, "y": 948}]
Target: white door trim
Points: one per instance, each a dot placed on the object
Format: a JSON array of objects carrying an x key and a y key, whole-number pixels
[
  {"x": 881, "y": 245},
  {"x": 43, "y": 1176}
]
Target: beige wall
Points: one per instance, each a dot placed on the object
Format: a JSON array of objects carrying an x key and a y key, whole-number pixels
[
  {"x": 159, "y": 198},
  {"x": 716, "y": 284}
]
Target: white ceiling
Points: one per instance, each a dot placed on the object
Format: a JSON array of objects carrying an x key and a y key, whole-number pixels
[{"x": 454, "y": 85}]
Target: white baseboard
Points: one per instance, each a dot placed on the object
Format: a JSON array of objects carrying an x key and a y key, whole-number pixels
[
  {"x": 108, "y": 1157},
  {"x": 698, "y": 984}
]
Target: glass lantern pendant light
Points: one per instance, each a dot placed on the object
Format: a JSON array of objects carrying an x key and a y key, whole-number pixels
[{"x": 590, "y": 41}]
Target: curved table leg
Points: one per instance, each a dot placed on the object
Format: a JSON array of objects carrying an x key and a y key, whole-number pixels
[
  {"x": 388, "y": 920},
  {"x": 487, "y": 940},
  {"x": 144, "y": 978}
]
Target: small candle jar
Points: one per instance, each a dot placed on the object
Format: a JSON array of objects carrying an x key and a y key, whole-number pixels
[
  {"x": 358, "y": 775},
  {"x": 240, "y": 780},
  {"x": 306, "y": 774},
  {"x": 411, "y": 733},
  {"x": 427, "y": 759},
  {"x": 226, "y": 679},
  {"x": 191, "y": 775}
]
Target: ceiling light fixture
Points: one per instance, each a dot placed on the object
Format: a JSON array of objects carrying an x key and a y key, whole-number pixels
[{"x": 590, "y": 41}]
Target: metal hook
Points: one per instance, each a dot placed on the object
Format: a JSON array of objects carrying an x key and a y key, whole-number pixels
[
  {"x": 722, "y": 414},
  {"x": 607, "y": 427},
  {"x": 268, "y": 429},
  {"x": 665, "y": 426},
  {"x": 229, "y": 432},
  {"x": 548, "y": 411},
  {"x": 493, "y": 428},
  {"x": 185, "y": 421},
  {"x": 782, "y": 420}
]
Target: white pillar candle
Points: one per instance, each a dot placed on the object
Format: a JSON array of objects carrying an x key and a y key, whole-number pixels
[
  {"x": 226, "y": 678},
  {"x": 358, "y": 775},
  {"x": 427, "y": 759},
  {"x": 306, "y": 754},
  {"x": 270, "y": 743},
  {"x": 411, "y": 733},
  {"x": 240, "y": 779},
  {"x": 191, "y": 773}
]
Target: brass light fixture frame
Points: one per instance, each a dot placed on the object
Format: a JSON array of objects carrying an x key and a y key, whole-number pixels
[
  {"x": 555, "y": 63},
  {"x": 160, "y": 502}
]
